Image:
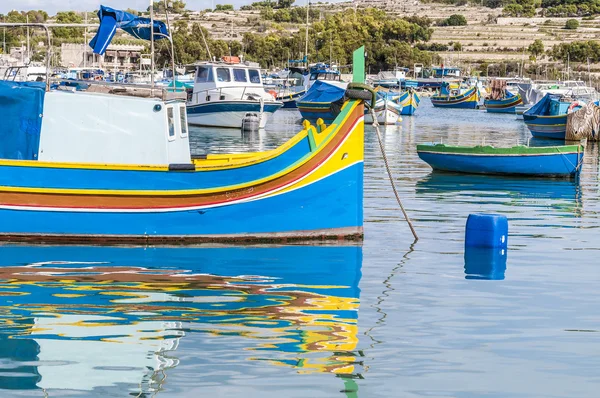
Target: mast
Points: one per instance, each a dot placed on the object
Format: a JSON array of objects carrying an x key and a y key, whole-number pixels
[
  {"x": 306, "y": 43},
  {"x": 152, "y": 44},
  {"x": 172, "y": 45},
  {"x": 28, "y": 54},
  {"x": 85, "y": 42}
]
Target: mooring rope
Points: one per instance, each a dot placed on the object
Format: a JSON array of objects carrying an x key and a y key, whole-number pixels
[{"x": 389, "y": 172}]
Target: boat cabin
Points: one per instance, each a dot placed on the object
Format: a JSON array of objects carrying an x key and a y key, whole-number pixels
[
  {"x": 67, "y": 126},
  {"x": 324, "y": 72},
  {"x": 445, "y": 71},
  {"x": 227, "y": 82}
]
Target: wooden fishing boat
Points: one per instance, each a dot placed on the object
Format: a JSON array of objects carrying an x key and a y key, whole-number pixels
[
  {"x": 409, "y": 101},
  {"x": 500, "y": 99},
  {"x": 548, "y": 118},
  {"x": 116, "y": 166},
  {"x": 387, "y": 109},
  {"x": 456, "y": 98},
  {"x": 323, "y": 100},
  {"x": 507, "y": 104},
  {"x": 548, "y": 161}
]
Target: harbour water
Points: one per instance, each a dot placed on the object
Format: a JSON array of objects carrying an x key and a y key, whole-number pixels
[{"x": 390, "y": 318}]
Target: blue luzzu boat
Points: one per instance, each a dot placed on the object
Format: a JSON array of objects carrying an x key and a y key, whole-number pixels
[
  {"x": 506, "y": 104},
  {"x": 546, "y": 161},
  {"x": 117, "y": 167},
  {"x": 548, "y": 118},
  {"x": 289, "y": 99},
  {"x": 409, "y": 101},
  {"x": 456, "y": 98},
  {"x": 323, "y": 100}
]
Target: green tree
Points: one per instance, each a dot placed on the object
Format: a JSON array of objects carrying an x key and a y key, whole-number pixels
[
  {"x": 68, "y": 17},
  {"x": 536, "y": 49},
  {"x": 572, "y": 24},
  {"x": 284, "y": 3},
  {"x": 454, "y": 20},
  {"x": 457, "y": 46},
  {"x": 173, "y": 6},
  {"x": 224, "y": 7}
]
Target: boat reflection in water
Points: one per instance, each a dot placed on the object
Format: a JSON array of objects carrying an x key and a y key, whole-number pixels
[
  {"x": 559, "y": 194},
  {"x": 96, "y": 318}
]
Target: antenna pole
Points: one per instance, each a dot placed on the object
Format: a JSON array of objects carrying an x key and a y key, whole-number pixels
[
  {"x": 172, "y": 45},
  {"x": 306, "y": 43},
  {"x": 152, "y": 44},
  {"x": 85, "y": 42}
]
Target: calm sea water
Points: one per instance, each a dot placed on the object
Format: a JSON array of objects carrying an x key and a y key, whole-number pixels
[{"x": 392, "y": 318}]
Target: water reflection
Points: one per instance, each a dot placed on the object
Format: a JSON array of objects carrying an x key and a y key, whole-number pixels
[
  {"x": 89, "y": 318},
  {"x": 563, "y": 194},
  {"x": 485, "y": 263}
]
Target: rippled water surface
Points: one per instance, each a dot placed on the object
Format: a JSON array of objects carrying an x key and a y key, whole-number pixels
[{"x": 392, "y": 318}]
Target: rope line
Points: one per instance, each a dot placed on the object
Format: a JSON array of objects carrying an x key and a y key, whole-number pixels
[{"x": 389, "y": 172}]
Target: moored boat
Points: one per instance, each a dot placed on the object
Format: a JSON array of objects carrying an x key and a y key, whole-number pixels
[
  {"x": 546, "y": 161},
  {"x": 548, "y": 118},
  {"x": 501, "y": 100},
  {"x": 116, "y": 166},
  {"x": 322, "y": 101},
  {"x": 387, "y": 109},
  {"x": 456, "y": 98},
  {"x": 409, "y": 101},
  {"x": 225, "y": 93}
]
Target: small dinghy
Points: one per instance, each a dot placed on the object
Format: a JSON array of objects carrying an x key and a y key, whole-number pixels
[{"x": 546, "y": 161}]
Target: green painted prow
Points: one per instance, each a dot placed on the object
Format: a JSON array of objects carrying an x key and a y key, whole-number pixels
[{"x": 358, "y": 65}]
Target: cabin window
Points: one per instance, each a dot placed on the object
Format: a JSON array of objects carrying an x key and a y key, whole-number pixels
[
  {"x": 171, "y": 121},
  {"x": 183, "y": 121},
  {"x": 204, "y": 74},
  {"x": 239, "y": 75},
  {"x": 254, "y": 76},
  {"x": 223, "y": 75}
]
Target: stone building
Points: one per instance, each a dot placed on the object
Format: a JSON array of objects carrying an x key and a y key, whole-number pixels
[{"x": 117, "y": 56}]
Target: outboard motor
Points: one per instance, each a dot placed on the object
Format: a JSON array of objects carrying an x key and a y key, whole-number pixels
[{"x": 251, "y": 122}]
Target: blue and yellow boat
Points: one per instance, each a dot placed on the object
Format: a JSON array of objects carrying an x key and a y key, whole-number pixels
[
  {"x": 456, "y": 98},
  {"x": 544, "y": 161},
  {"x": 117, "y": 168},
  {"x": 506, "y": 104},
  {"x": 323, "y": 100},
  {"x": 548, "y": 118},
  {"x": 409, "y": 101}
]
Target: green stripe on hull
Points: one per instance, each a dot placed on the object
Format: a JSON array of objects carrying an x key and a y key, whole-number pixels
[{"x": 490, "y": 150}]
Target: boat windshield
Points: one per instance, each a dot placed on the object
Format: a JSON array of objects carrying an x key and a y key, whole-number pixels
[{"x": 204, "y": 74}]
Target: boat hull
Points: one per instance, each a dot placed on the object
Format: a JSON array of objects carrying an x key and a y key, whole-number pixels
[
  {"x": 409, "y": 101},
  {"x": 554, "y": 127},
  {"x": 229, "y": 114},
  {"x": 386, "y": 111},
  {"x": 312, "y": 111},
  {"x": 507, "y": 105},
  {"x": 311, "y": 188},
  {"x": 289, "y": 101},
  {"x": 549, "y": 165},
  {"x": 468, "y": 100}
]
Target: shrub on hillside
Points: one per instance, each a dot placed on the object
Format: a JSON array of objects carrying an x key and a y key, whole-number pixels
[
  {"x": 572, "y": 24},
  {"x": 454, "y": 20}
]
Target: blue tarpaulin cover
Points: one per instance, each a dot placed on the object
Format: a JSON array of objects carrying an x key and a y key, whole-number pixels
[
  {"x": 543, "y": 106},
  {"x": 21, "y": 109},
  {"x": 111, "y": 19},
  {"x": 323, "y": 92}
]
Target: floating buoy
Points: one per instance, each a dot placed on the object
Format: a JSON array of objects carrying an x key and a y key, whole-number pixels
[
  {"x": 251, "y": 122},
  {"x": 487, "y": 230}
]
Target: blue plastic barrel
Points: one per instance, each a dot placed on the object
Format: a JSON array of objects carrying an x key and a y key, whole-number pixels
[{"x": 487, "y": 230}]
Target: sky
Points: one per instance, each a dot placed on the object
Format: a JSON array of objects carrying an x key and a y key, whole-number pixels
[{"x": 52, "y": 6}]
